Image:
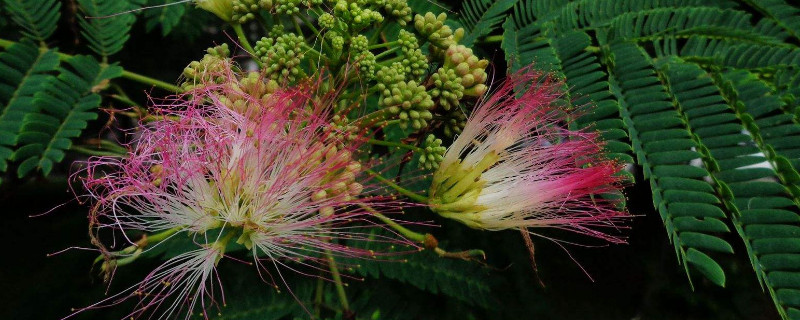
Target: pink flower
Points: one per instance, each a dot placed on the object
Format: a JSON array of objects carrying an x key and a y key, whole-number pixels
[
  {"x": 269, "y": 172},
  {"x": 515, "y": 167}
]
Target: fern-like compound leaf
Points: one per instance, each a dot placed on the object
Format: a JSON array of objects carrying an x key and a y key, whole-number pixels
[
  {"x": 166, "y": 17},
  {"x": 24, "y": 71},
  {"x": 37, "y": 18},
  {"x": 481, "y": 17},
  {"x": 106, "y": 35},
  {"x": 65, "y": 106}
]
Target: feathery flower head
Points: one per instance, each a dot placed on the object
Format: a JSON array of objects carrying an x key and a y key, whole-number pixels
[
  {"x": 270, "y": 173},
  {"x": 513, "y": 167}
]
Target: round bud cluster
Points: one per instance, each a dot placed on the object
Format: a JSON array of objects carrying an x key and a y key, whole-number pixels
[
  {"x": 244, "y": 10},
  {"x": 432, "y": 27},
  {"x": 448, "y": 88},
  {"x": 240, "y": 97},
  {"x": 281, "y": 57},
  {"x": 432, "y": 153},
  {"x": 469, "y": 68},
  {"x": 211, "y": 68},
  {"x": 287, "y": 7},
  {"x": 414, "y": 61},
  {"x": 388, "y": 76},
  {"x": 337, "y": 41},
  {"x": 409, "y": 102},
  {"x": 254, "y": 85},
  {"x": 340, "y": 181},
  {"x": 344, "y": 131},
  {"x": 399, "y": 10},
  {"x": 407, "y": 40},
  {"x": 327, "y": 21},
  {"x": 366, "y": 65},
  {"x": 356, "y": 15},
  {"x": 359, "y": 44},
  {"x": 455, "y": 121}
]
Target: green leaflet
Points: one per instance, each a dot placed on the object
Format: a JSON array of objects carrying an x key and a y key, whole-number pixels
[
  {"x": 64, "y": 106},
  {"x": 24, "y": 71},
  {"x": 106, "y": 36},
  {"x": 707, "y": 94},
  {"x": 481, "y": 17},
  {"x": 164, "y": 17},
  {"x": 37, "y": 18},
  {"x": 463, "y": 280}
]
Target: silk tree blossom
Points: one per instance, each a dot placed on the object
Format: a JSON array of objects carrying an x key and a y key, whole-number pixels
[
  {"x": 180, "y": 285},
  {"x": 268, "y": 171},
  {"x": 514, "y": 167}
]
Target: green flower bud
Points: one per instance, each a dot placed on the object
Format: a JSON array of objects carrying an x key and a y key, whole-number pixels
[
  {"x": 432, "y": 27},
  {"x": 469, "y": 68},
  {"x": 287, "y": 7},
  {"x": 454, "y": 122},
  {"x": 359, "y": 44},
  {"x": 244, "y": 10},
  {"x": 388, "y": 76},
  {"x": 432, "y": 153},
  {"x": 409, "y": 102},
  {"x": 337, "y": 41},
  {"x": 281, "y": 57},
  {"x": 211, "y": 68},
  {"x": 327, "y": 21},
  {"x": 399, "y": 10},
  {"x": 448, "y": 88},
  {"x": 415, "y": 63},
  {"x": 366, "y": 65}
]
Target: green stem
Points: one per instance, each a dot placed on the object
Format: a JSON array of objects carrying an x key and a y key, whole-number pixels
[
  {"x": 113, "y": 146},
  {"x": 383, "y": 45},
  {"x": 387, "y": 63},
  {"x": 377, "y": 33},
  {"x": 309, "y": 24},
  {"x": 318, "y": 297},
  {"x": 92, "y": 152},
  {"x": 367, "y": 119},
  {"x": 124, "y": 100},
  {"x": 394, "y": 144},
  {"x": 237, "y": 28},
  {"x": 139, "y": 246},
  {"x": 337, "y": 279},
  {"x": 426, "y": 239},
  {"x": 313, "y": 52},
  {"x": 390, "y": 122},
  {"x": 154, "y": 82},
  {"x": 387, "y": 52},
  {"x": 408, "y": 193},
  {"x": 414, "y": 236},
  {"x": 495, "y": 38}
]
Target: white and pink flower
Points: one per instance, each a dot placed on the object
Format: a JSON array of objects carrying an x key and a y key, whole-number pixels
[{"x": 514, "y": 166}]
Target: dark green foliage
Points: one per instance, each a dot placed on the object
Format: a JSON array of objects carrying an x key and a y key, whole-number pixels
[
  {"x": 25, "y": 71},
  {"x": 106, "y": 35},
  {"x": 784, "y": 14},
  {"x": 164, "y": 17},
  {"x": 37, "y": 18},
  {"x": 481, "y": 17},
  {"x": 463, "y": 280},
  {"x": 707, "y": 94},
  {"x": 65, "y": 106}
]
